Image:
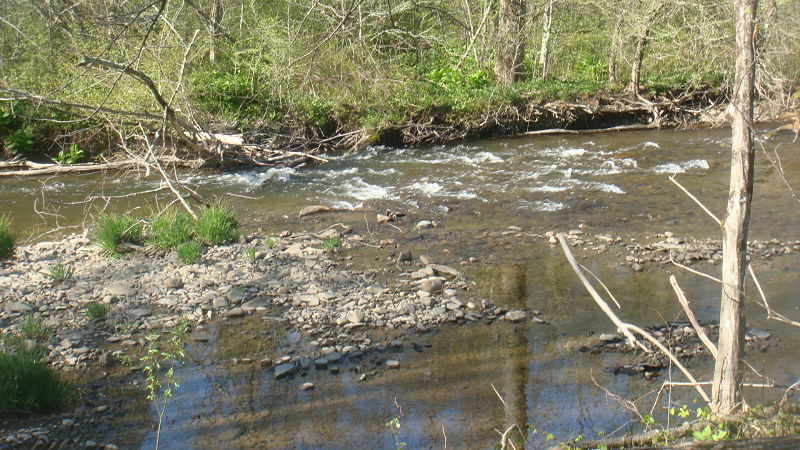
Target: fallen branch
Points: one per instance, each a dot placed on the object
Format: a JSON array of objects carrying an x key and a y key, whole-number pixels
[
  {"x": 37, "y": 169},
  {"x": 685, "y": 303}
]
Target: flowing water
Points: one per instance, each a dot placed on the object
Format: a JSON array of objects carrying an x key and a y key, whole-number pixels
[{"x": 605, "y": 182}]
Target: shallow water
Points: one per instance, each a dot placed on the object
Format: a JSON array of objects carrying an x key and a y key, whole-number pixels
[{"x": 607, "y": 182}]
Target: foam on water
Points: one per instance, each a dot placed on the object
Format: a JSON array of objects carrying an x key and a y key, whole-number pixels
[
  {"x": 426, "y": 187},
  {"x": 359, "y": 189},
  {"x": 249, "y": 177},
  {"x": 681, "y": 167}
]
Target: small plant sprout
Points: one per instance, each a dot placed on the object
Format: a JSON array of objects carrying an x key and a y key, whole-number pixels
[
  {"x": 269, "y": 243},
  {"x": 189, "y": 252},
  {"x": 159, "y": 367},
  {"x": 332, "y": 243},
  {"x": 250, "y": 252},
  {"x": 60, "y": 272},
  {"x": 96, "y": 310}
]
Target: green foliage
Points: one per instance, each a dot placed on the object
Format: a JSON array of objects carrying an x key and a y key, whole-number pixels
[
  {"x": 28, "y": 384},
  {"x": 250, "y": 252},
  {"x": 71, "y": 155},
  {"x": 170, "y": 229},
  {"x": 189, "y": 252},
  {"x": 716, "y": 433},
  {"x": 216, "y": 225},
  {"x": 34, "y": 328},
  {"x": 114, "y": 229},
  {"x": 332, "y": 243},
  {"x": 269, "y": 243},
  {"x": 96, "y": 310},
  {"x": 19, "y": 142},
  {"x": 7, "y": 241},
  {"x": 60, "y": 272}
]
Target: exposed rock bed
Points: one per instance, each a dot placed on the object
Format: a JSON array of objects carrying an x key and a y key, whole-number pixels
[
  {"x": 296, "y": 282},
  {"x": 679, "y": 337}
]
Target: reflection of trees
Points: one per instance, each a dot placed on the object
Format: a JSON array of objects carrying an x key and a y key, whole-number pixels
[{"x": 514, "y": 284}]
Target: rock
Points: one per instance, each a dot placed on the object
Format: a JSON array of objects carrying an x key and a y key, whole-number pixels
[
  {"x": 295, "y": 250},
  {"x": 220, "y": 302},
  {"x": 552, "y": 240},
  {"x": 122, "y": 290},
  {"x": 405, "y": 256},
  {"x": 285, "y": 370},
  {"x": 424, "y": 224},
  {"x": 329, "y": 233},
  {"x": 431, "y": 285},
  {"x": 235, "y": 312},
  {"x": 258, "y": 302},
  {"x": 754, "y": 334},
  {"x": 320, "y": 363},
  {"x": 107, "y": 359},
  {"x": 608, "y": 337},
  {"x": 173, "y": 283},
  {"x": 393, "y": 364},
  {"x": 313, "y": 209},
  {"x": 438, "y": 311},
  {"x": 235, "y": 295},
  {"x": 515, "y": 316},
  {"x": 333, "y": 357},
  {"x": 310, "y": 300},
  {"x": 424, "y": 260},
  {"x": 382, "y": 218},
  {"x": 356, "y": 316},
  {"x": 306, "y": 386},
  {"x": 636, "y": 267},
  {"x": 18, "y": 307}
]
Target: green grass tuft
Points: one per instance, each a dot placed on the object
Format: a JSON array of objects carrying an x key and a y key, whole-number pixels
[
  {"x": 7, "y": 240},
  {"x": 28, "y": 384},
  {"x": 269, "y": 242},
  {"x": 60, "y": 272},
  {"x": 189, "y": 252},
  {"x": 250, "y": 252},
  {"x": 96, "y": 310},
  {"x": 33, "y": 327},
  {"x": 332, "y": 243},
  {"x": 114, "y": 229},
  {"x": 171, "y": 229},
  {"x": 216, "y": 225}
]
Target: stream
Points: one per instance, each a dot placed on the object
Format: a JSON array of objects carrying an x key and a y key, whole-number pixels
[{"x": 445, "y": 386}]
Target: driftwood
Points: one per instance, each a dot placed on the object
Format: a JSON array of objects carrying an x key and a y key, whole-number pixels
[
  {"x": 28, "y": 168},
  {"x": 590, "y": 131}
]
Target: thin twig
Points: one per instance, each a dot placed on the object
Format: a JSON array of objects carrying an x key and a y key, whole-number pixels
[{"x": 688, "y": 310}]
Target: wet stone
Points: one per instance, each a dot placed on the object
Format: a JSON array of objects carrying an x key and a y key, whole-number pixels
[
  {"x": 284, "y": 370},
  {"x": 515, "y": 316},
  {"x": 333, "y": 357},
  {"x": 306, "y": 386},
  {"x": 320, "y": 363},
  {"x": 393, "y": 364}
]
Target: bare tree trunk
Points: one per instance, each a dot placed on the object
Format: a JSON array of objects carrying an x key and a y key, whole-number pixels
[
  {"x": 544, "y": 52},
  {"x": 215, "y": 17},
  {"x": 638, "y": 56},
  {"x": 510, "y": 49},
  {"x": 615, "y": 43},
  {"x": 727, "y": 370}
]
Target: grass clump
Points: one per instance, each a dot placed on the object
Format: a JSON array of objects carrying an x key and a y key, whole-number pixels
[
  {"x": 33, "y": 328},
  {"x": 114, "y": 229},
  {"x": 96, "y": 310},
  {"x": 216, "y": 225},
  {"x": 171, "y": 229},
  {"x": 250, "y": 252},
  {"x": 189, "y": 252},
  {"x": 7, "y": 240},
  {"x": 60, "y": 272},
  {"x": 269, "y": 242},
  {"x": 27, "y": 383}
]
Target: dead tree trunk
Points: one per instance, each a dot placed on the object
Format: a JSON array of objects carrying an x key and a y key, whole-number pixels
[
  {"x": 727, "y": 370},
  {"x": 544, "y": 52},
  {"x": 638, "y": 56},
  {"x": 613, "y": 54},
  {"x": 510, "y": 49}
]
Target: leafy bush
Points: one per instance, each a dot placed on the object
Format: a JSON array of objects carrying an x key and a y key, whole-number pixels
[
  {"x": 60, "y": 272},
  {"x": 332, "y": 243},
  {"x": 189, "y": 252},
  {"x": 71, "y": 155},
  {"x": 28, "y": 384},
  {"x": 216, "y": 225},
  {"x": 7, "y": 240},
  {"x": 19, "y": 142},
  {"x": 114, "y": 229},
  {"x": 96, "y": 310},
  {"x": 171, "y": 229}
]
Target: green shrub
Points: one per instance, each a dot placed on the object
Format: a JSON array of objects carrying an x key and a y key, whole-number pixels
[
  {"x": 114, "y": 229},
  {"x": 189, "y": 252},
  {"x": 60, "y": 272},
  {"x": 96, "y": 310},
  {"x": 170, "y": 229},
  {"x": 71, "y": 155},
  {"x": 33, "y": 327},
  {"x": 19, "y": 142},
  {"x": 28, "y": 384},
  {"x": 250, "y": 252},
  {"x": 7, "y": 240},
  {"x": 216, "y": 225},
  {"x": 269, "y": 243}
]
